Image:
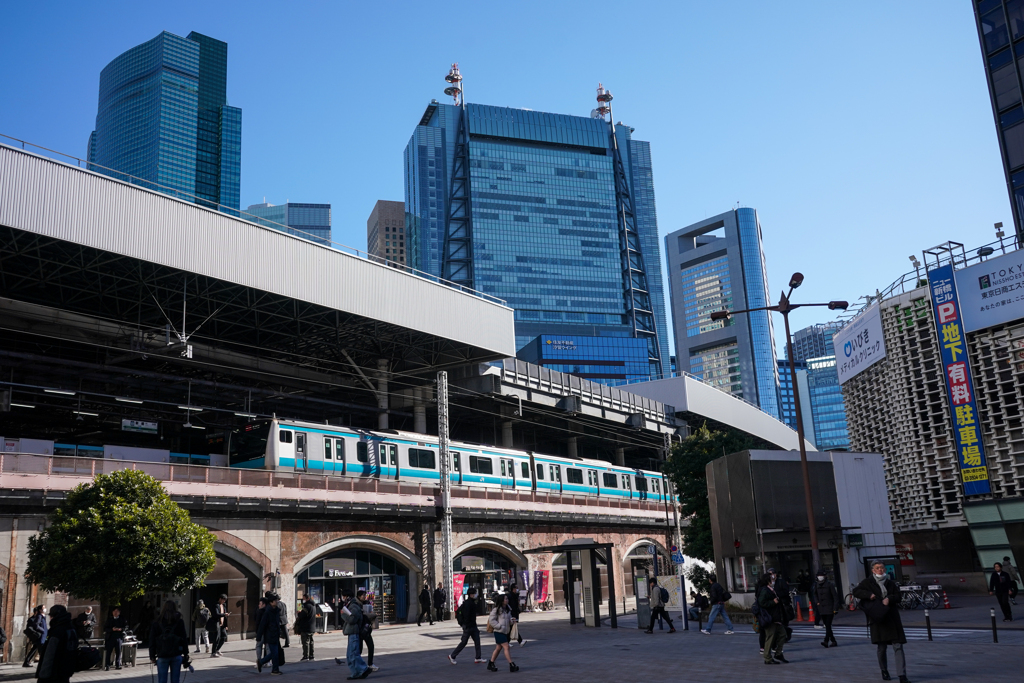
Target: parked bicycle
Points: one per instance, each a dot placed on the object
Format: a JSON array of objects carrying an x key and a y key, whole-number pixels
[
  {"x": 852, "y": 603},
  {"x": 913, "y": 596}
]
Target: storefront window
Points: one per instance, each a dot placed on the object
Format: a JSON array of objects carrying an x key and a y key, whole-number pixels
[{"x": 384, "y": 579}]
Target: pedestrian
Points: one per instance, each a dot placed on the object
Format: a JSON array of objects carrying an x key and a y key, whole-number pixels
[
  {"x": 269, "y": 631},
  {"x": 440, "y": 598},
  {"x": 35, "y": 631},
  {"x": 465, "y": 615},
  {"x": 500, "y": 622},
  {"x": 260, "y": 649},
  {"x": 200, "y": 618},
  {"x": 168, "y": 643},
  {"x": 283, "y": 609},
  {"x": 1014, "y": 576},
  {"x": 59, "y": 656},
  {"x": 719, "y": 596},
  {"x": 782, "y": 589},
  {"x": 879, "y": 596},
  {"x": 657, "y": 601},
  {"x": 565, "y": 593},
  {"x": 367, "y": 628},
  {"x": 218, "y": 625},
  {"x": 352, "y": 616},
  {"x": 115, "y": 627},
  {"x": 1000, "y": 585},
  {"x": 774, "y": 633},
  {"x": 698, "y": 603},
  {"x": 145, "y": 621},
  {"x": 85, "y": 624},
  {"x": 425, "y": 606},
  {"x": 826, "y": 600},
  {"x": 513, "y": 603},
  {"x": 305, "y": 626},
  {"x": 804, "y": 588}
]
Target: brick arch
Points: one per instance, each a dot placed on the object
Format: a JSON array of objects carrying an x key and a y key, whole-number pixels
[{"x": 242, "y": 551}]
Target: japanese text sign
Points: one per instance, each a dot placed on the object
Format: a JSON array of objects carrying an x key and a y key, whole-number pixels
[{"x": 859, "y": 345}]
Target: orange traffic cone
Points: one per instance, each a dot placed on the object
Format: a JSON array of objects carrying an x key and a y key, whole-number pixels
[
  {"x": 810, "y": 612},
  {"x": 799, "y": 615},
  {"x": 945, "y": 601}
]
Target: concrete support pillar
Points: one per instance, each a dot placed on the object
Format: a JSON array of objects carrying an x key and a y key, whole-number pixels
[
  {"x": 382, "y": 393},
  {"x": 572, "y": 447},
  {"x": 506, "y": 434},
  {"x": 419, "y": 411},
  {"x": 620, "y": 457}
]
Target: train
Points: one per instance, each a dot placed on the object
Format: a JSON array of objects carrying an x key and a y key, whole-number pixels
[{"x": 294, "y": 446}]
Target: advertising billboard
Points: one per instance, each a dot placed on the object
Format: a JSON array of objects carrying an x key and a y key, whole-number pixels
[
  {"x": 859, "y": 345},
  {"x": 956, "y": 368},
  {"x": 991, "y": 292}
]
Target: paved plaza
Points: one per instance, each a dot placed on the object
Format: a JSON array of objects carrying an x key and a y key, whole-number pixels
[{"x": 559, "y": 652}]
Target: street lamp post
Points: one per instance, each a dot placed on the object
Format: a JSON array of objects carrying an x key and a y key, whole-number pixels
[{"x": 784, "y": 307}]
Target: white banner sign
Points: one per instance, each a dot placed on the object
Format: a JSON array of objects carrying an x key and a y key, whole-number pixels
[
  {"x": 992, "y": 292},
  {"x": 859, "y": 345}
]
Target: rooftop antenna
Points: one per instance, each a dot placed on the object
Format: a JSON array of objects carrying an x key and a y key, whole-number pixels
[{"x": 454, "y": 90}]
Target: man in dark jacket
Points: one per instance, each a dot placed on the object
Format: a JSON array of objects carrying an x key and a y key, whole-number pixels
[
  {"x": 60, "y": 651},
  {"x": 425, "y": 606},
  {"x": 439, "y": 602},
  {"x": 35, "y": 631},
  {"x": 115, "y": 627},
  {"x": 698, "y": 603},
  {"x": 466, "y": 616},
  {"x": 879, "y": 595},
  {"x": 782, "y": 588},
  {"x": 1001, "y": 585},
  {"x": 85, "y": 624},
  {"x": 305, "y": 624},
  {"x": 260, "y": 609},
  {"x": 283, "y": 608},
  {"x": 718, "y": 600},
  {"x": 826, "y": 604},
  {"x": 269, "y": 631},
  {"x": 218, "y": 625},
  {"x": 774, "y": 633}
]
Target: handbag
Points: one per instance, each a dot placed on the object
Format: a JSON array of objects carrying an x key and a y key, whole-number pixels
[{"x": 513, "y": 633}]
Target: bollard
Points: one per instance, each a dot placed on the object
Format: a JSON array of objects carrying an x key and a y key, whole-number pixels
[
  {"x": 700, "y": 620},
  {"x": 995, "y": 635},
  {"x": 928, "y": 623}
]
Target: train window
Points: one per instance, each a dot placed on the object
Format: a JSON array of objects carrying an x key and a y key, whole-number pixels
[
  {"x": 362, "y": 454},
  {"x": 540, "y": 472},
  {"x": 422, "y": 459},
  {"x": 526, "y": 470},
  {"x": 284, "y": 436},
  {"x": 610, "y": 482},
  {"x": 327, "y": 449},
  {"x": 573, "y": 475},
  {"x": 455, "y": 462},
  {"x": 339, "y": 449},
  {"x": 478, "y": 465},
  {"x": 656, "y": 486},
  {"x": 503, "y": 473},
  {"x": 641, "y": 483}
]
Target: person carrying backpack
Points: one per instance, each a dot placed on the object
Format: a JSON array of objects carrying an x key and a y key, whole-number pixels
[
  {"x": 168, "y": 643},
  {"x": 719, "y": 596},
  {"x": 200, "y": 618},
  {"x": 658, "y": 597},
  {"x": 35, "y": 631},
  {"x": 465, "y": 615},
  {"x": 59, "y": 657}
]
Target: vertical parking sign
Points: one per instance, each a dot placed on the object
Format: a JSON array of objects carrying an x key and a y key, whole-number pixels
[{"x": 956, "y": 367}]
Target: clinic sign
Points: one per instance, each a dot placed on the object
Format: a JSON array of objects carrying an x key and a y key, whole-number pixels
[
  {"x": 859, "y": 345},
  {"x": 963, "y": 406},
  {"x": 991, "y": 292}
]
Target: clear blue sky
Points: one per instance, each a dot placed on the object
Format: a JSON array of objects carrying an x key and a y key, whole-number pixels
[{"x": 862, "y": 132}]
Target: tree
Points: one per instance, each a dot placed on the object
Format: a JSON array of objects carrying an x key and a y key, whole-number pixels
[
  {"x": 117, "y": 538},
  {"x": 685, "y": 467}
]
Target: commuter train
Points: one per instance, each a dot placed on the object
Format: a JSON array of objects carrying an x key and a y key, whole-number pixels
[{"x": 294, "y": 446}]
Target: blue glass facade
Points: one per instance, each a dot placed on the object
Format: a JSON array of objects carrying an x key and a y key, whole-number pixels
[
  {"x": 163, "y": 119},
  {"x": 606, "y": 360},
  {"x": 545, "y": 228},
  {"x": 827, "y": 407},
  {"x": 815, "y": 341},
  {"x": 311, "y": 221}
]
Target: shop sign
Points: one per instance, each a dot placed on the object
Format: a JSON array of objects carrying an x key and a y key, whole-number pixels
[
  {"x": 905, "y": 551},
  {"x": 860, "y": 344},
  {"x": 956, "y": 368},
  {"x": 992, "y": 292},
  {"x": 139, "y": 426},
  {"x": 855, "y": 540},
  {"x": 336, "y": 573}
]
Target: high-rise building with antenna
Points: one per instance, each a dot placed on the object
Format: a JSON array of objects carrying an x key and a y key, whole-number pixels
[{"x": 553, "y": 213}]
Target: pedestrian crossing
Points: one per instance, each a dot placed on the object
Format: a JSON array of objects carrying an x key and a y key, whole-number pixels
[{"x": 913, "y": 633}]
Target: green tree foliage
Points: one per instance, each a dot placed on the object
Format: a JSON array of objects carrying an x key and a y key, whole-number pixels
[
  {"x": 118, "y": 537},
  {"x": 686, "y": 469},
  {"x": 699, "y": 578}
]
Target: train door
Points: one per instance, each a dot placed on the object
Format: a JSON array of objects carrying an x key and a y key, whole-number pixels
[
  {"x": 456, "y": 473},
  {"x": 555, "y": 472},
  {"x": 366, "y": 459},
  {"x": 508, "y": 473},
  {"x": 334, "y": 456},
  {"x": 592, "y": 482},
  {"x": 627, "y": 485},
  {"x": 300, "y": 451}
]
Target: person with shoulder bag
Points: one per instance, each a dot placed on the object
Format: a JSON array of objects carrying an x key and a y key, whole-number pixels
[
  {"x": 465, "y": 615},
  {"x": 168, "y": 643},
  {"x": 771, "y": 621},
  {"x": 879, "y": 595},
  {"x": 500, "y": 624},
  {"x": 367, "y": 628},
  {"x": 719, "y": 596},
  {"x": 35, "y": 631}
]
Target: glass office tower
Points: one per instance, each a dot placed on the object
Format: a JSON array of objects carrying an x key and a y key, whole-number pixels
[
  {"x": 787, "y": 406},
  {"x": 163, "y": 119},
  {"x": 828, "y": 411},
  {"x": 1001, "y": 33},
  {"x": 545, "y": 227},
  {"x": 815, "y": 341},
  {"x": 718, "y": 264},
  {"x": 311, "y": 221}
]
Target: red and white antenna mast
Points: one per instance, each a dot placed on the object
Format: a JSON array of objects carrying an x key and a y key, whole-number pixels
[
  {"x": 455, "y": 89},
  {"x": 604, "y": 103}
]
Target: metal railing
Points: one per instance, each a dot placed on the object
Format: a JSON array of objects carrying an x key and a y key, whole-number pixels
[
  {"x": 85, "y": 165},
  {"x": 283, "y": 482}
]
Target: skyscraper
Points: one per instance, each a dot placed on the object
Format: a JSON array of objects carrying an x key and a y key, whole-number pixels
[
  {"x": 312, "y": 221},
  {"x": 385, "y": 232},
  {"x": 1000, "y": 31},
  {"x": 828, "y": 413},
  {"x": 163, "y": 118},
  {"x": 815, "y": 341},
  {"x": 546, "y": 229},
  {"x": 718, "y": 264},
  {"x": 787, "y": 406}
]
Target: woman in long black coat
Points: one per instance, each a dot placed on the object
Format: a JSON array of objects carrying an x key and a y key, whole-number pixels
[{"x": 879, "y": 596}]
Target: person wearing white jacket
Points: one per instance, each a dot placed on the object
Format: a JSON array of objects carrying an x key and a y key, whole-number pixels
[{"x": 501, "y": 622}]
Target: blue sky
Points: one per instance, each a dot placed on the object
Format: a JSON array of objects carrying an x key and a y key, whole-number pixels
[{"x": 862, "y": 132}]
